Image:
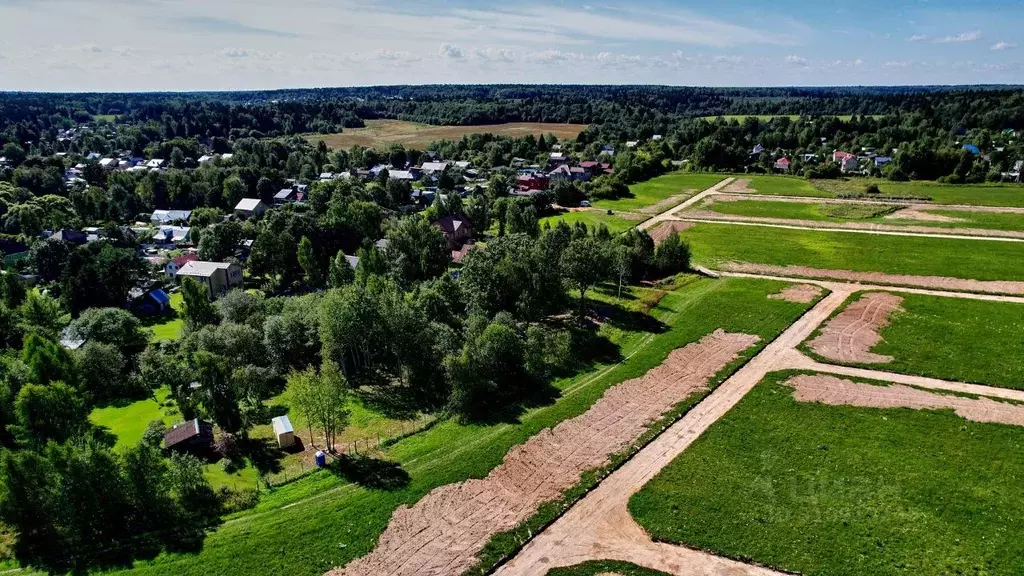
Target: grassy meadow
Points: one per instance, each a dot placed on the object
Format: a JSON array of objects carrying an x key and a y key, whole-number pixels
[
  {"x": 167, "y": 328},
  {"x": 969, "y": 194},
  {"x": 648, "y": 194},
  {"x": 713, "y": 244},
  {"x": 322, "y": 521},
  {"x": 975, "y": 341},
  {"x": 845, "y": 491},
  {"x": 592, "y": 218}
]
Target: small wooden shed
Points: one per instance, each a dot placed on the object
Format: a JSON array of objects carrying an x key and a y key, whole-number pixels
[{"x": 284, "y": 432}]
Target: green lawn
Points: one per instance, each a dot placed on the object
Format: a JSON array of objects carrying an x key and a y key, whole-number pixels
[
  {"x": 843, "y": 491},
  {"x": 782, "y": 186},
  {"x": 129, "y": 422},
  {"x": 970, "y": 194},
  {"x": 974, "y": 341},
  {"x": 714, "y": 244},
  {"x": 318, "y": 522},
  {"x": 592, "y": 218},
  {"x": 655, "y": 190},
  {"x": 168, "y": 327},
  {"x": 605, "y": 567}
]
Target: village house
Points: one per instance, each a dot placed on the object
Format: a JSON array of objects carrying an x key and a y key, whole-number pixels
[
  {"x": 109, "y": 163},
  {"x": 248, "y": 207},
  {"x": 430, "y": 168},
  {"x": 155, "y": 164},
  {"x": 218, "y": 277},
  {"x": 287, "y": 195},
  {"x": 170, "y": 216},
  {"x": 193, "y": 437},
  {"x": 882, "y": 160},
  {"x": 70, "y": 236},
  {"x": 457, "y": 230},
  {"x": 174, "y": 264},
  {"x": 173, "y": 235},
  {"x": 782, "y": 164},
  {"x": 532, "y": 182}
]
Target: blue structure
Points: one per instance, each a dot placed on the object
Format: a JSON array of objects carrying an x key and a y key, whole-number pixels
[
  {"x": 321, "y": 459},
  {"x": 972, "y": 149}
]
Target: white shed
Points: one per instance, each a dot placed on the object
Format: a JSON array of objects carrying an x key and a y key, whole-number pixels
[{"x": 284, "y": 432}]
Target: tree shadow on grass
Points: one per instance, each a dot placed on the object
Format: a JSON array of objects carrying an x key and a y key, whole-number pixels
[
  {"x": 263, "y": 454},
  {"x": 370, "y": 472}
]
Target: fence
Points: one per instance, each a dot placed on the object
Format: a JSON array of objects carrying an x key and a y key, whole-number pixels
[{"x": 363, "y": 445}]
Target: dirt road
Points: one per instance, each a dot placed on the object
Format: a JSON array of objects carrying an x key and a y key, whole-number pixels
[{"x": 668, "y": 214}]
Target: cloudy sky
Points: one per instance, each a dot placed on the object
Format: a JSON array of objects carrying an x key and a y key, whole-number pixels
[{"x": 119, "y": 45}]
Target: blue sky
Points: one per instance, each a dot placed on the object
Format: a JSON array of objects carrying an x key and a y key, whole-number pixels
[{"x": 114, "y": 45}]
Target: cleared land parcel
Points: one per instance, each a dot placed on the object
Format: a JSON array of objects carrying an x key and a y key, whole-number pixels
[{"x": 382, "y": 133}]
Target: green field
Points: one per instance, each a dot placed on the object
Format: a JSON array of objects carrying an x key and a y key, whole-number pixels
[
  {"x": 844, "y": 491},
  {"x": 168, "y": 327},
  {"x": 974, "y": 341},
  {"x": 782, "y": 186},
  {"x": 655, "y": 190},
  {"x": 970, "y": 194},
  {"x": 592, "y": 218},
  {"x": 603, "y": 568},
  {"x": 714, "y": 244},
  {"x": 871, "y": 213},
  {"x": 320, "y": 521}
]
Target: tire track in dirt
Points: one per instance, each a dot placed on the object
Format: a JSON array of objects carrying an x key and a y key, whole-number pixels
[
  {"x": 849, "y": 337},
  {"x": 841, "y": 392},
  {"x": 444, "y": 531}
]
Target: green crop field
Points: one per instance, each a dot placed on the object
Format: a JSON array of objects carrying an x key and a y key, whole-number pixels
[
  {"x": 714, "y": 244},
  {"x": 321, "y": 521},
  {"x": 604, "y": 568},
  {"x": 843, "y": 491},
  {"x": 650, "y": 193},
  {"x": 974, "y": 341},
  {"x": 592, "y": 218}
]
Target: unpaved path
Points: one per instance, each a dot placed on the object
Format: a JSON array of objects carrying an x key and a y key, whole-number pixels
[
  {"x": 802, "y": 293},
  {"x": 668, "y": 228},
  {"x": 851, "y": 334},
  {"x": 703, "y": 217},
  {"x": 599, "y": 527},
  {"x": 879, "y": 278},
  {"x": 920, "y": 215},
  {"x": 446, "y": 529},
  {"x": 841, "y": 392},
  {"x": 668, "y": 214}
]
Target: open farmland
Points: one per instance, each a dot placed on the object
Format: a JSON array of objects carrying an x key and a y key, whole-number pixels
[
  {"x": 717, "y": 244},
  {"x": 967, "y": 194},
  {"x": 321, "y": 521},
  {"x": 841, "y": 490},
  {"x": 382, "y": 133},
  {"x": 963, "y": 340},
  {"x": 659, "y": 194}
]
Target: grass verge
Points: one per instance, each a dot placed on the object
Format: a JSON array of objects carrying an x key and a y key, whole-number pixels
[
  {"x": 596, "y": 567},
  {"x": 841, "y": 490}
]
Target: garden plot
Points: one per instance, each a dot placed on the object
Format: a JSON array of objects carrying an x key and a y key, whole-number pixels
[
  {"x": 444, "y": 531},
  {"x": 822, "y": 476}
]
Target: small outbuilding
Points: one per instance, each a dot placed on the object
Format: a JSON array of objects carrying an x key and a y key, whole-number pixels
[
  {"x": 284, "y": 432},
  {"x": 193, "y": 437}
]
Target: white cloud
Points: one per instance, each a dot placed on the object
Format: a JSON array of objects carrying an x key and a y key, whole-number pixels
[
  {"x": 797, "y": 60},
  {"x": 918, "y": 38},
  {"x": 449, "y": 51},
  {"x": 1003, "y": 46},
  {"x": 972, "y": 36},
  {"x": 492, "y": 54},
  {"x": 234, "y": 53}
]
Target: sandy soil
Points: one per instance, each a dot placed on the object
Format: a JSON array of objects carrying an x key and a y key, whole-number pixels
[
  {"x": 908, "y": 230},
  {"x": 934, "y": 282},
  {"x": 803, "y": 293},
  {"x": 443, "y": 532},
  {"x": 661, "y": 233},
  {"x": 915, "y": 214},
  {"x": 668, "y": 203},
  {"x": 741, "y": 186},
  {"x": 849, "y": 337},
  {"x": 840, "y": 392}
]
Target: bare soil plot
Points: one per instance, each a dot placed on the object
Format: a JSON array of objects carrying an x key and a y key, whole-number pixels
[
  {"x": 668, "y": 228},
  {"x": 841, "y": 392},
  {"x": 913, "y": 213},
  {"x": 803, "y": 293},
  {"x": 935, "y": 282},
  {"x": 850, "y": 336},
  {"x": 443, "y": 532},
  {"x": 382, "y": 133},
  {"x": 670, "y": 202},
  {"x": 740, "y": 186}
]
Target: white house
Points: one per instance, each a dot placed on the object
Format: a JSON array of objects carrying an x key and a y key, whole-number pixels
[
  {"x": 250, "y": 207},
  {"x": 109, "y": 163},
  {"x": 431, "y": 167},
  {"x": 156, "y": 163},
  {"x": 173, "y": 235},
  {"x": 206, "y": 158}
]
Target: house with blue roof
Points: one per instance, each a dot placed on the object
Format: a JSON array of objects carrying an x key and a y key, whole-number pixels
[{"x": 972, "y": 149}]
